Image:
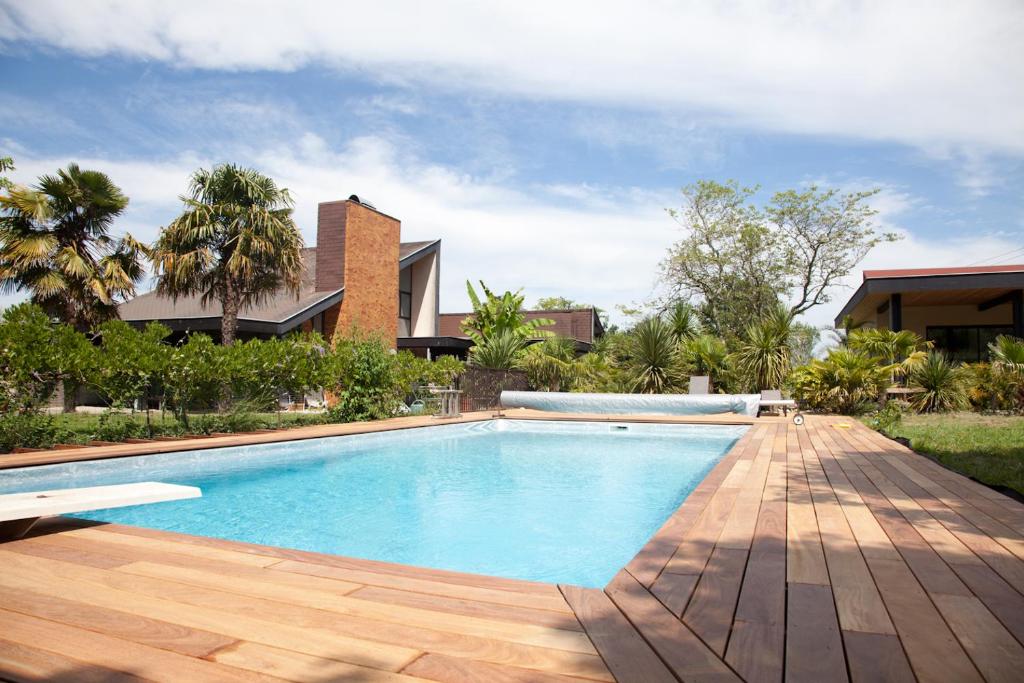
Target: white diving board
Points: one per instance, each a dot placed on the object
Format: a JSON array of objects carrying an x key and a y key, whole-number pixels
[{"x": 19, "y": 511}]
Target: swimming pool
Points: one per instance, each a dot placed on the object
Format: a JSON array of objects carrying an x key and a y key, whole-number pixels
[{"x": 566, "y": 502}]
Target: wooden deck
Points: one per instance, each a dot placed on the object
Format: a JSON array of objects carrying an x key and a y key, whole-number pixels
[{"x": 816, "y": 553}]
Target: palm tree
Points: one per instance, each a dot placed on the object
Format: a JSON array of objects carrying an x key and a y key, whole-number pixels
[
  {"x": 904, "y": 350},
  {"x": 942, "y": 384},
  {"x": 235, "y": 243},
  {"x": 55, "y": 243},
  {"x": 494, "y": 315},
  {"x": 707, "y": 354},
  {"x": 683, "y": 319}
]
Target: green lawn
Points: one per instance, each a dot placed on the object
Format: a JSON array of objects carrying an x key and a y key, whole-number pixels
[{"x": 989, "y": 448}]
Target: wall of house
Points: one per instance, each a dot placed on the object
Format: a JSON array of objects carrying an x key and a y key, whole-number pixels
[
  {"x": 918, "y": 318},
  {"x": 425, "y": 274}
]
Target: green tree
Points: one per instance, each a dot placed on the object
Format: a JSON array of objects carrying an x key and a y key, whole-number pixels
[
  {"x": 803, "y": 339},
  {"x": 235, "y": 243},
  {"x": 557, "y": 303},
  {"x": 551, "y": 364},
  {"x": 196, "y": 373},
  {"x": 494, "y": 315},
  {"x": 364, "y": 380},
  {"x": 706, "y": 355},
  {"x": 740, "y": 259},
  {"x": 55, "y": 243},
  {"x": 130, "y": 362},
  {"x": 6, "y": 164}
]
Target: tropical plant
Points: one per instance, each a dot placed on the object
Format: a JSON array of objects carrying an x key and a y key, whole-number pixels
[
  {"x": 903, "y": 350},
  {"x": 990, "y": 388},
  {"x": 235, "y": 243},
  {"x": 494, "y": 315},
  {"x": 550, "y": 365},
  {"x": 846, "y": 381},
  {"x": 1007, "y": 354},
  {"x": 763, "y": 355},
  {"x": 6, "y": 164},
  {"x": 55, "y": 243},
  {"x": 706, "y": 355},
  {"x": 683, "y": 319},
  {"x": 500, "y": 351},
  {"x": 942, "y": 383},
  {"x": 655, "y": 364}
]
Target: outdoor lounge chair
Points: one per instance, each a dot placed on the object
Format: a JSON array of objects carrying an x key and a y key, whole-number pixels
[
  {"x": 700, "y": 384},
  {"x": 772, "y": 399},
  {"x": 20, "y": 511}
]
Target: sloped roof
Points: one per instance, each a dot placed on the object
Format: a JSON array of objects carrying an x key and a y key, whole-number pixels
[{"x": 280, "y": 307}]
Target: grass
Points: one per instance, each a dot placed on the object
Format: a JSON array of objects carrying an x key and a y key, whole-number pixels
[{"x": 989, "y": 448}]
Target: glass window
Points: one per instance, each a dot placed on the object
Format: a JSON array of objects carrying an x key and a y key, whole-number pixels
[
  {"x": 965, "y": 343},
  {"x": 405, "y": 305}
]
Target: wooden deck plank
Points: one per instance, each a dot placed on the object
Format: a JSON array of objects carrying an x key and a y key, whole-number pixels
[
  {"x": 681, "y": 650},
  {"x": 418, "y": 585},
  {"x": 296, "y": 666},
  {"x": 625, "y": 652},
  {"x": 364, "y": 642},
  {"x": 805, "y": 558},
  {"x": 20, "y": 662},
  {"x": 98, "y": 650},
  {"x": 436, "y": 667},
  {"x": 814, "y": 649},
  {"x": 994, "y": 651},
  {"x": 874, "y": 657},
  {"x": 710, "y": 612}
]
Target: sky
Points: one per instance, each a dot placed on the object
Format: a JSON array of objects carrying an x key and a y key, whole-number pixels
[{"x": 541, "y": 141}]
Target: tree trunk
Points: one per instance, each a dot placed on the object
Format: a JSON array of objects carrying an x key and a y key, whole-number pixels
[
  {"x": 70, "y": 399},
  {"x": 229, "y": 320}
]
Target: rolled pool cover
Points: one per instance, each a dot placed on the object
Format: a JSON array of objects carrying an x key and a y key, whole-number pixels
[{"x": 633, "y": 404}]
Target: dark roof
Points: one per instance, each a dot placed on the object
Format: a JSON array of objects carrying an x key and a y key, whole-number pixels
[
  {"x": 933, "y": 286},
  {"x": 581, "y": 324},
  {"x": 282, "y": 309}
]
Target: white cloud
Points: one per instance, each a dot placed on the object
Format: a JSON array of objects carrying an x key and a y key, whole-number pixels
[
  {"x": 596, "y": 244},
  {"x": 926, "y": 73}
]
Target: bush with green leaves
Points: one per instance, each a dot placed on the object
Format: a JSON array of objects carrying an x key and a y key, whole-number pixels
[
  {"x": 29, "y": 430},
  {"x": 942, "y": 385},
  {"x": 195, "y": 375},
  {"x": 656, "y": 366},
  {"x": 498, "y": 352},
  {"x": 131, "y": 362},
  {"x": 551, "y": 364},
  {"x": 763, "y": 354},
  {"x": 846, "y": 382},
  {"x": 364, "y": 381}
]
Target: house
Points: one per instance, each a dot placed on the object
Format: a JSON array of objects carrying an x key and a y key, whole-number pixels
[
  {"x": 359, "y": 275},
  {"x": 961, "y": 310},
  {"x": 583, "y": 325}
]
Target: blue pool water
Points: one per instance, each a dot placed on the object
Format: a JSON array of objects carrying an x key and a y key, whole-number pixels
[{"x": 549, "y": 501}]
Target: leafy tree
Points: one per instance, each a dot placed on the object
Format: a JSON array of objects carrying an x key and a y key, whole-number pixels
[
  {"x": 803, "y": 338},
  {"x": 706, "y": 355},
  {"x": 557, "y": 303},
  {"x": 130, "y": 362},
  {"x": 495, "y": 315},
  {"x": 364, "y": 380},
  {"x": 740, "y": 259},
  {"x": 55, "y": 243},
  {"x": 655, "y": 363},
  {"x": 6, "y": 164},
  {"x": 196, "y": 371},
  {"x": 235, "y": 243}
]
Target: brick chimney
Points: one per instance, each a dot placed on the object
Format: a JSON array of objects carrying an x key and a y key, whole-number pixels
[{"x": 357, "y": 248}]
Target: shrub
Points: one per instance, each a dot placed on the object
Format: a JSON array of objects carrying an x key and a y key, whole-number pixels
[
  {"x": 130, "y": 363},
  {"x": 195, "y": 375},
  {"x": 763, "y": 356},
  {"x": 365, "y": 381},
  {"x": 942, "y": 382},
  {"x": 29, "y": 430},
  {"x": 498, "y": 352},
  {"x": 656, "y": 365},
  {"x": 845, "y": 382},
  {"x": 550, "y": 365}
]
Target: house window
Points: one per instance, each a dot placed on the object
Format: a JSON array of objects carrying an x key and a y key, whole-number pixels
[
  {"x": 966, "y": 343},
  {"x": 405, "y": 302},
  {"x": 318, "y": 323}
]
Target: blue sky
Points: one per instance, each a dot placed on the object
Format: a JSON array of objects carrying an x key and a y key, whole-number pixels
[{"x": 542, "y": 144}]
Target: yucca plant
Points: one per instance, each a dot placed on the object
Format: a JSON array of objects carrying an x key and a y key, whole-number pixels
[
  {"x": 499, "y": 352},
  {"x": 764, "y": 355},
  {"x": 942, "y": 383},
  {"x": 683, "y": 319},
  {"x": 655, "y": 363}
]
